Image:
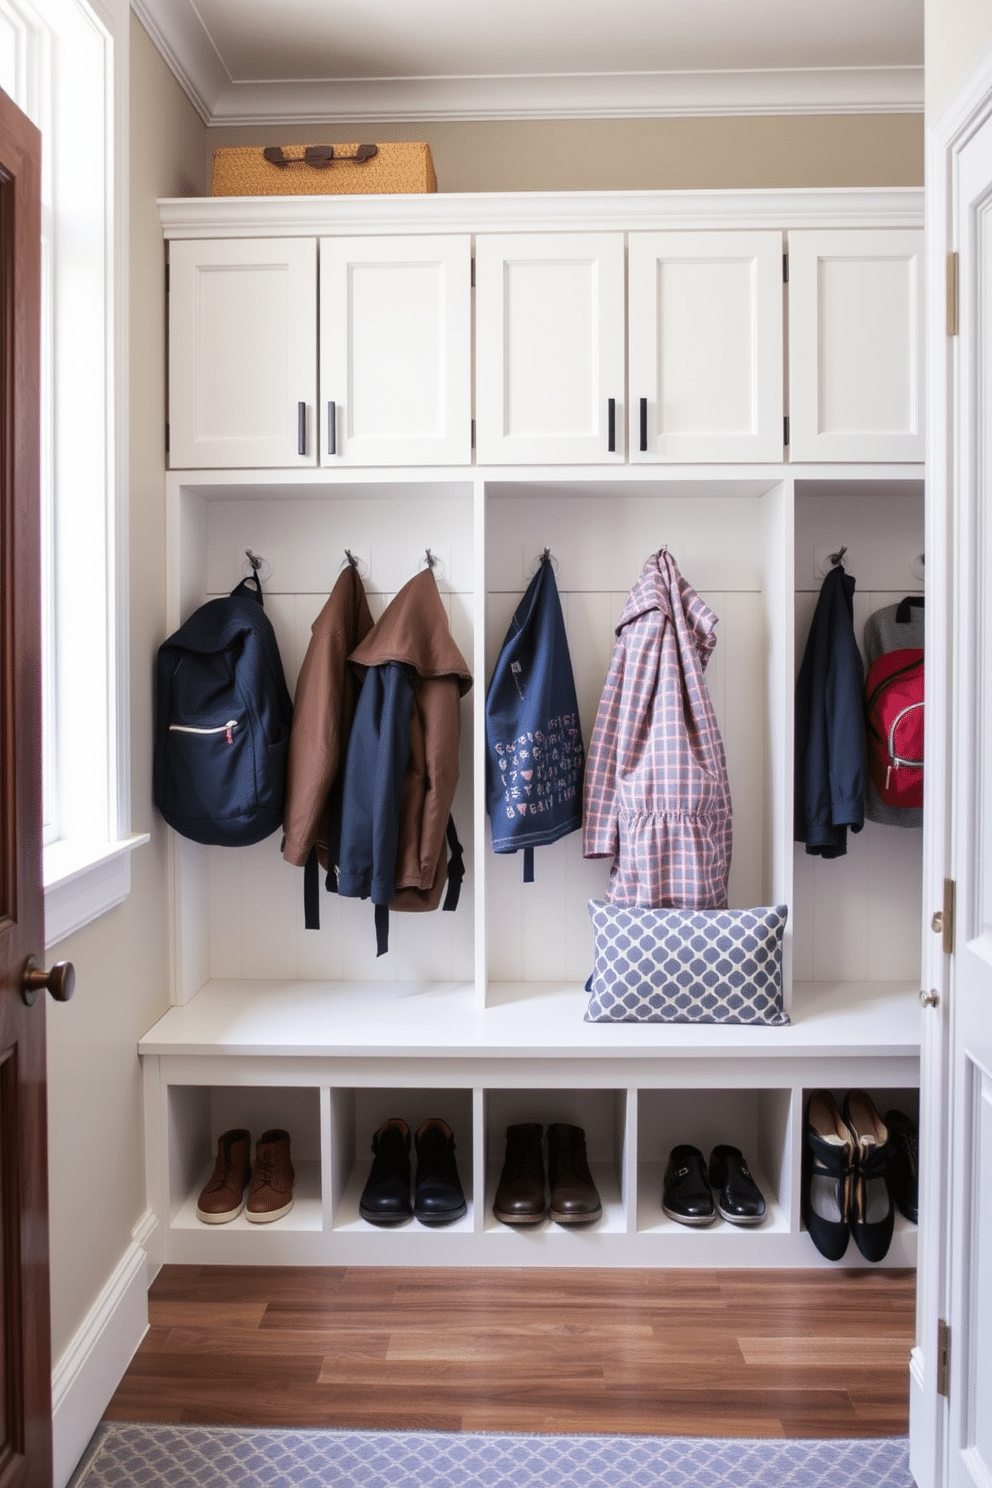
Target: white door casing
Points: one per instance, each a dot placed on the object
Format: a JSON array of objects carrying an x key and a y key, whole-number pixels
[
  {"x": 706, "y": 352},
  {"x": 969, "y": 1426},
  {"x": 550, "y": 348},
  {"x": 856, "y": 315},
  {"x": 395, "y": 351},
  {"x": 243, "y": 353}
]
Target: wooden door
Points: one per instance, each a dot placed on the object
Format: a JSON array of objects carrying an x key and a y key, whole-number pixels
[
  {"x": 706, "y": 352},
  {"x": 25, "y": 1389},
  {"x": 969, "y": 1433},
  {"x": 396, "y": 351},
  {"x": 856, "y": 384},
  {"x": 550, "y": 348},
  {"x": 243, "y": 353}
]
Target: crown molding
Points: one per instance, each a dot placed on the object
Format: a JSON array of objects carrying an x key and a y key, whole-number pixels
[
  {"x": 179, "y": 35},
  {"x": 538, "y": 211}
]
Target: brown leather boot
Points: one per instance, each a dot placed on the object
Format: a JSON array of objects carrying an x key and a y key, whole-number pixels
[
  {"x": 271, "y": 1192},
  {"x": 574, "y": 1198},
  {"x": 222, "y": 1198},
  {"x": 520, "y": 1195}
]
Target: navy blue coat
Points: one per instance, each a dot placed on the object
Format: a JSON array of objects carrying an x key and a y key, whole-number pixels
[{"x": 831, "y": 763}]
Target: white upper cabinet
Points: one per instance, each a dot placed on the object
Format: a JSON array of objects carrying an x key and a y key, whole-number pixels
[
  {"x": 706, "y": 351},
  {"x": 243, "y": 353},
  {"x": 395, "y": 350},
  {"x": 550, "y": 348},
  {"x": 855, "y": 345}
]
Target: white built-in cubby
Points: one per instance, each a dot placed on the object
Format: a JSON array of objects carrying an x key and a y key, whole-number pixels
[{"x": 477, "y": 1016}]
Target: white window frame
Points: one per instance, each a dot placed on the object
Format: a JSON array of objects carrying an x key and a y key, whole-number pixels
[{"x": 66, "y": 66}]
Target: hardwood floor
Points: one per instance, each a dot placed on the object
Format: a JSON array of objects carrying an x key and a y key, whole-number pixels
[{"x": 676, "y": 1352}]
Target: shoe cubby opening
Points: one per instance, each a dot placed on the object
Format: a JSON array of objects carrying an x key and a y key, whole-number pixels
[
  {"x": 756, "y": 1122},
  {"x": 729, "y": 539},
  {"x": 857, "y": 917},
  {"x": 357, "y": 1113},
  {"x": 241, "y": 910},
  {"x": 602, "y": 1117},
  {"x": 198, "y": 1116},
  {"x": 905, "y": 1102}
]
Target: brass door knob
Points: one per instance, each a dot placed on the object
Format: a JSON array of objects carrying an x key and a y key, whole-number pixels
[{"x": 59, "y": 980}]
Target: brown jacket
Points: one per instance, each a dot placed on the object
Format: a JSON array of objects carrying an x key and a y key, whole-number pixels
[
  {"x": 323, "y": 711},
  {"x": 414, "y": 632}
]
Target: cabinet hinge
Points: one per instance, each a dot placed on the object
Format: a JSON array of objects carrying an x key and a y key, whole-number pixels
[
  {"x": 946, "y": 926},
  {"x": 473, "y": 433},
  {"x": 785, "y": 268},
  {"x": 167, "y": 276},
  {"x": 166, "y": 439},
  {"x": 943, "y": 1357},
  {"x": 785, "y": 430},
  {"x": 952, "y": 294},
  {"x": 472, "y": 261}
]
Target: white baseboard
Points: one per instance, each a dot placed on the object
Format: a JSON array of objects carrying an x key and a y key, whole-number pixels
[{"x": 89, "y": 1371}]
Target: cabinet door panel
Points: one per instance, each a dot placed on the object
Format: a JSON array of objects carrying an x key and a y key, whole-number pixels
[
  {"x": 549, "y": 347},
  {"x": 395, "y": 351},
  {"x": 706, "y": 346},
  {"x": 855, "y": 345},
  {"x": 242, "y": 352}
]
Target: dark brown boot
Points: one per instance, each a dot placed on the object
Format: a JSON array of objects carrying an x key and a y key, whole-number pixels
[
  {"x": 574, "y": 1199},
  {"x": 520, "y": 1195},
  {"x": 271, "y": 1192},
  {"x": 223, "y": 1197}
]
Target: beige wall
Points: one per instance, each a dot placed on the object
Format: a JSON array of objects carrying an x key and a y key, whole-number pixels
[
  {"x": 643, "y": 154},
  {"x": 96, "y": 1144},
  {"x": 955, "y": 34}
]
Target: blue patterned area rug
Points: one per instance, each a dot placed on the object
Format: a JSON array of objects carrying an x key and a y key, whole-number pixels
[{"x": 128, "y": 1455}]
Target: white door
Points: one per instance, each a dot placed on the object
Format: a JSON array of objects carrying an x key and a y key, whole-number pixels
[
  {"x": 550, "y": 348},
  {"x": 856, "y": 310},
  {"x": 242, "y": 353},
  {"x": 396, "y": 351},
  {"x": 706, "y": 351},
  {"x": 969, "y": 1424}
]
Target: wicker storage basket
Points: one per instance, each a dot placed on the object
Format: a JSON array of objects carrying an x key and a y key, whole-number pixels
[{"x": 322, "y": 170}]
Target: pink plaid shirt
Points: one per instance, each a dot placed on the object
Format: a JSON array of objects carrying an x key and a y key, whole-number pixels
[{"x": 657, "y": 799}]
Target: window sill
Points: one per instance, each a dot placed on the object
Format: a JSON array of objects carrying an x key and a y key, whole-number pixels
[{"x": 83, "y": 881}]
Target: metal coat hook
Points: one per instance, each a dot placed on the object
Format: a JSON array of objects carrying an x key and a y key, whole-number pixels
[
  {"x": 546, "y": 557},
  {"x": 260, "y": 567},
  {"x": 255, "y": 561},
  {"x": 433, "y": 562},
  {"x": 835, "y": 558}
]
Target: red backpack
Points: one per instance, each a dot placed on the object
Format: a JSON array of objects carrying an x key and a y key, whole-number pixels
[{"x": 894, "y": 714}]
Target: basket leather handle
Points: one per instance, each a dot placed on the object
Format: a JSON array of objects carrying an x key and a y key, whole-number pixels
[{"x": 319, "y": 157}]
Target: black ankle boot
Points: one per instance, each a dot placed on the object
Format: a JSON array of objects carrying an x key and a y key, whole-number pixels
[
  {"x": 438, "y": 1198},
  {"x": 386, "y": 1196}
]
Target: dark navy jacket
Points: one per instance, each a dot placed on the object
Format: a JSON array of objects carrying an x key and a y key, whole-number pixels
[{"x": 831, "y": 753}]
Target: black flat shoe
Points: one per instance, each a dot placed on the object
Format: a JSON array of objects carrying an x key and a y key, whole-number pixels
[
  {"x": 386, "y": 1196},
  {"x": 828, "y": 1158},
  {"x": 872, "y": 1213},
  {"x": 686, "y": 1194},
  {"x": 904, "y": 1164},
  {"x": 739, "y": 1199},
  {"x": 437, "y": 1191}
]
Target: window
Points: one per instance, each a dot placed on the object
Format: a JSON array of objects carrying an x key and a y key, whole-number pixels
[{"x": 62, "y": 62}]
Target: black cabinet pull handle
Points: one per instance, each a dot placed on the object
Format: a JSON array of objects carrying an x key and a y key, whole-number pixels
[
  {"x": 332, "y": 428},
  {"x": 644, "y": 423},
  {"x": 301, "y": 428},
  {"x": 611, "y": 424}
]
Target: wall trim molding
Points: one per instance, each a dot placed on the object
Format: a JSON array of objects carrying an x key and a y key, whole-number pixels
[
  {"x": 88, "y": 1371},
  {"x": 220, "y": 100}
]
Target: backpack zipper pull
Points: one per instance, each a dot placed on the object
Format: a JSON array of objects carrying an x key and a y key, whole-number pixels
[{"x": 888, "y": 777}]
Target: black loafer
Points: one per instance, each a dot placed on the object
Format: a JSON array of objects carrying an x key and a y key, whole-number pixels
[
  {"x": 686, "y": 1194},
  {"x": 386, "y": 1196},
  {"x": 739, "y": 1199},
  {"x": 437, "y": 1191},
  {"x": 904, "y": 1164}
]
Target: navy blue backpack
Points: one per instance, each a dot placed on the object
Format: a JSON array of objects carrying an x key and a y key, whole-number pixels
[
  {"x": 534, "y": 754},
  {"x": 222, "y": 723}
]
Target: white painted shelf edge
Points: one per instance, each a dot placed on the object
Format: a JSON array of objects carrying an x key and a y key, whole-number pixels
[{"x": 242, "y": 1019}]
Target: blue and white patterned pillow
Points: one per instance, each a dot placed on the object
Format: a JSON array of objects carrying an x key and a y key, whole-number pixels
[{"x": 686, "y": 965}]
